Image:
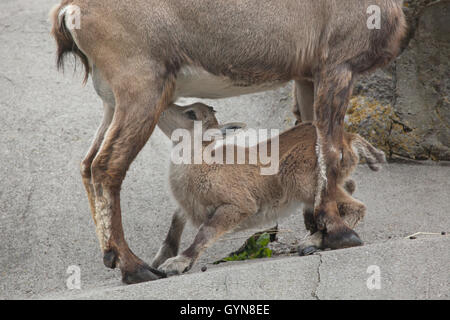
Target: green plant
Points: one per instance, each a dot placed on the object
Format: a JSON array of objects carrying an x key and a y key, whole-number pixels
[{"x": 254, "y": 248}]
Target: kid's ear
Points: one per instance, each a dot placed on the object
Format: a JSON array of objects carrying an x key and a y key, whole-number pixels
[{"x": 232, "y": 128}]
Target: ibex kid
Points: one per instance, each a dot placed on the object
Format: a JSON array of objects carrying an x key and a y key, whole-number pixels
[{"x": 220, "y": 198}]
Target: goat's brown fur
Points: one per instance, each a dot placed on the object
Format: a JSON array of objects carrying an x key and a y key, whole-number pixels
[{"x": 145, "y": 54}]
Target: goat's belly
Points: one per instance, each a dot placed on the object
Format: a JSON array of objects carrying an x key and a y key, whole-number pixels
[
  {"x": 268, "y": 215},
  {"x": 194, "y": 82}
]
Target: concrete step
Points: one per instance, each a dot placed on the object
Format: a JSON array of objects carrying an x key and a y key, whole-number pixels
[{"x": 400, "y": 269}]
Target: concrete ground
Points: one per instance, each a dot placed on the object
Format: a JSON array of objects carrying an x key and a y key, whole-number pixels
[
  {"x": 406, "y": 269},
  {"x": 47, "y": 122}
]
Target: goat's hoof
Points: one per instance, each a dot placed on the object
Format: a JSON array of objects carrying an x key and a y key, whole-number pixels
[
  {"x": 307, "y": 251},
  {"x": 176, "y": 266},
  {"x": 110, "y": 259},
  {"x": 342, "y": 239},
  {"x": 143, "y": 273}
]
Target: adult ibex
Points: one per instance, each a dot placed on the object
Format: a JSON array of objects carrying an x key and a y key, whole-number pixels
[
  {"x": 219, "y": 198},
  {"x": 145, "y": 54}
]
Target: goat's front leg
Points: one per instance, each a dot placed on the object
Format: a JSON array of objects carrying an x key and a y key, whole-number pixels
[
  {"x": 308, "y": 213},
  {"x": 351, "y": 211},
  {"x": 225, "y": 219},
  {"x": 171, "y": 245},
  {"x": 140, "y": 98},
  {"x": 333, "y": 90}
]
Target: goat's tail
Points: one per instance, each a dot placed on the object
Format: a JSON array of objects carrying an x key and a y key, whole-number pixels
[
  {"x": 64, "y": 40},
  {"x": 373, "y": 157}
]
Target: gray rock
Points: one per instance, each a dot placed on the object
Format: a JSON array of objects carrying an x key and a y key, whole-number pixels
[
  {"x": 405, "y": 108},
  {"x": 423, "y": 77}
]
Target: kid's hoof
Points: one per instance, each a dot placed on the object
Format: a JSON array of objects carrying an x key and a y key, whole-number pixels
[
  {"x": 176, "y": 266},
  {"x": 343, "y": 239},
  {"x": 142, "y": 274},
  {"x": 307, "y": 251},
  {"x": 110, "y": 259}
]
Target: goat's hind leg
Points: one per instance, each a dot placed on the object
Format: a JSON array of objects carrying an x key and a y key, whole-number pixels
[
  {"x": 108, "y": 113},
  {"x": 105, "y": 93},
  {"x": 225, "y": 219},
  {"x": 171, "y": 244},
  {"x": 140, "y": 95}
]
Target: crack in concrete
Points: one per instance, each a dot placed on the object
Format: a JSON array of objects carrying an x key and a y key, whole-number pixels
[
  {"x": 314, "y": 294},
  {"x": 226, "y": 284},
  {"x": 28, "y": 202}
]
